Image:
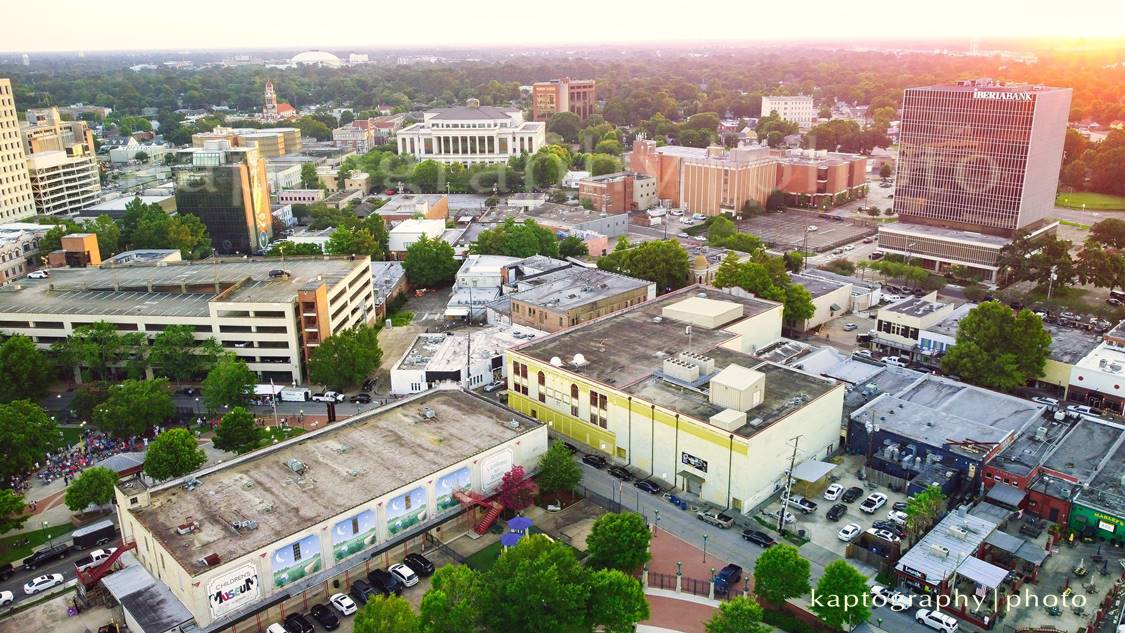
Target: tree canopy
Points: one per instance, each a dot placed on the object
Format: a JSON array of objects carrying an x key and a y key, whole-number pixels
[
  {"x": 12, "y": 511},
  {"x": 737, "y": 615},
  {"x": 517, "y": 239},
  {"x": 93, "y": 487},
  {"x": 998, "y": 349},
  {"x": 237, "y": 432},
  {"x": 781, "y": 573},
  {"x": 842, "y": 596},
  {"x": 557, "y": 469},
  {"x": 173, "y": 453},
  {"x": 176, "y": 354},
  {"x": 619, "y": 541},
  {"x": 386, "y": 614},
  {"x": 27, "y": 434},
  {"x": 25, "y": 372},
  {"x": 229, "y": 383},
  {"x": 429, "y": 263},
  {"x": 663, "y": 262},
  {"x": 134, "y": 407},
  {"x": 346, "y": 358}
]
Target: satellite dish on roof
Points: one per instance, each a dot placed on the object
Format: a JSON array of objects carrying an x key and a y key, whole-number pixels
[
  {"x": 579, "y": 360},
  {"x": 556, "y": 361}
]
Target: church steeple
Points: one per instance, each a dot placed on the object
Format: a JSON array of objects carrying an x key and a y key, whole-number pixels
[{"x": 269, "y": 104}]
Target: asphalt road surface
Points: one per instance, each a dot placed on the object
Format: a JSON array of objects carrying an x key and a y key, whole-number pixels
[{"x": 64, "y": 567}]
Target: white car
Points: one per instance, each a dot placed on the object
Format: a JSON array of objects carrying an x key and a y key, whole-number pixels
[
  {"x": 849, "y": 247},
  {"x": 873, "y": 502},
  {"x": 676, "y": 212},
  {"x": 898, "y": 516},
  {"x": 789, "y": 518},
  {"x": 42, "y": 583},
  {"x": 833, "y": 492},
  {"x": 94, "y": 558},
  {"x": 698, "y": 217},
  {"x": 276, "y": 628},
  {"x": 886, "y": 535},
  {"x": 343, "y": 603},
  {"x": 38, "y": 274},
  {"x": 895, "y": 600},
  {"x": 936, "y": 621},
  {"x": 848, "y": 533},
  {"x": 894, "y": 361},
  {"x": 812, "y": 227},
  {"x": 6, "y": 598},
  {"x": 404, "y": 574}
]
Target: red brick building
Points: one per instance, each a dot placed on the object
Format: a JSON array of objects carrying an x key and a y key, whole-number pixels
[{"x": 563, "y": 95}]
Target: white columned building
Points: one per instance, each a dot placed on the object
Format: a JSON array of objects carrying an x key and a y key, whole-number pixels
[{"x": 472, "y": 134}]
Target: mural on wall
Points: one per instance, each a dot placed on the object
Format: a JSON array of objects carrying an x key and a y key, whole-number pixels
[
  {"x": 406, "y": 510},
  {"x": 232, "y": 590},
  {"x": 459, "y": 479},
  {"x": 493, "y": 467},
  {"x": 296, "y": 560},
  {"x": 353, "y": 535}
]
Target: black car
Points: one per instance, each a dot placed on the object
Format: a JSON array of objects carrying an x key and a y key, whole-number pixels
[
  {"x": 361, "y": 592},
  {"x": 6, "y": 571},
  {"x": 368, "y": 385},
  {"x": 759, "y": 538},
  {"x": 621, "y": 473},
  {"x": 325, "y": 617},
  {"x": 570, "y": 447},
  {"x": 647, "y": 486},
  {"x": 383, "y": 580},
  {"x": 297, "y": 623},
  {"x": 420, "y": 564},
  {"x": 890, "y": 526},
  {"x": 899, "y": 505},
  {"x": 836, "y": 511},
  {"x": 360, "y": 398},
  {"x": 851, "y": 494},
  {"x": 597, "y": 461}
]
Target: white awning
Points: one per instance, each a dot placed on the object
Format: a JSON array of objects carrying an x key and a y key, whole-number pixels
[
  {"x": 812, "y": 470},
  {"x": 982, "y": 572},
  {"x": 456, "y": 312},
  {"x": 267, "y": 390}
]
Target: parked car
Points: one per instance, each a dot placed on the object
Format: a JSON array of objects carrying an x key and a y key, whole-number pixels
[
  {"x": 45, "y": 555},
  {"x": 936, "y": 621},
  {"x": 6, "y": 571},
  {"x": 276, "y": 628},
  {"x": 897, "y": 516},
  {"x": 278, "y": 272},
  {"x": 811, "y": 228},
  {"x": 1081, "y": 409},
  {"x": 570, "y": 447},
  {"x": 882, "y": 596},
  {"x": 895, "y": 361},
  {"x": 890, "y": 526},
  {"x": 802, "y": 504},
  {"x": 328, "y": 396},
  {"x": 42, "y": 583},
  {"x": 789, "y": 518},
  {"x": 873, "y": 502},
  {"x": 647, "y": 486},
  {"x": 868, "y": 240},
  {"x": 848, "y": 532},
  {"x": 360, "y": 398},
  {"x": 297, "y": 623},
  {"x": 597, "y": 461},
  {"x": 835, "y": 512},
  {"x": 833, "y": 492},
  {"x": 698, "y": 217},
  {"x": 493, "y": 386},
  {"x": 886, "y": 535},
  {"x": 728, "y": 576},
  {"x": 850, "y": 327},
  {"x": 1111, "y": 301},
  {"x": 759, "y": 538},
  {"x": 420, "y": 564},
  {"x": 715, "y": 518},
  {"x": 188, "y": 391},
  {"x": 344, "y": 604},
  {"x": 325, "y": 617},
  {"x": 404, "y": 574},
  {"x": 851, "y": 494},
  {"x": 368, "y": 385},
  {"x": 362, "y": 591},
  {"x": 6, "y": 598},
  {"x": 899, "y": 505},
  {"x": 38, "y": 274},
  {"x": 1051, "y": 402},
  {"x": 93, "y": 559},
  {"x": 382, "y": 580},
  {"x": 676, "y": 212},
  {"x": 621, "y": 473},
  {"x": 863, "y": 353}
]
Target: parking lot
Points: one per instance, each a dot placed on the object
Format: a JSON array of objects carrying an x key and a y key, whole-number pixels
[{"x": 786, "y": 231}]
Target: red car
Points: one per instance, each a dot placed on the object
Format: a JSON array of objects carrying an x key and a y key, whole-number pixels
[{"x": 391, "y": 192}]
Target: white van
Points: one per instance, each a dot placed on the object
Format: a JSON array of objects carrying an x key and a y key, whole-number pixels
[
  {"x": 936, "y": 621},
  {"x": 295, "y": 394}
]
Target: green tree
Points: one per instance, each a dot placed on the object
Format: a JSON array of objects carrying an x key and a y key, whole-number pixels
[
  {"x": 842, "y": 596},
  {"x": 535, "y": 587},
  {"x": 430, "y": 263},
  {"x": 98, "y": 347},
  {"x": 93, "y": 487},
  {"x": 187, "y": 234},
  {"x": 285, "y": 248},
  {"x": 312, "y": 128},
  {"x": 177, "y": 355},
  {"x": 12, "y": 509},
  {"x": 141, "y": 157},
  {"x": 349, "y": 241},
  {"x": 744, "y": 242},
  {"x": 25, "y": 372},
  {"x": 1110, "y": 232},
  {"x": 566, "y": 125},
  {"x": 794, "y": 261},
  {"x": 174, "y": 453},
  {"x": 229, "y": 383},
  {"x": 544, "y": 169},
  {"x": 998, "y": 350},
  {"x": 663, "y": 262},
  {"x": 517, "y": 239},
  {"x": 729, "y": 272},
  {"x": 738, "y": 615},
  {"x": 428, "y": 176},
  {"x": 923, "y": 508},
  {"x": 780, "y": 573},
  {"x": 309, "y": 178},
  {"x": 557, "y": 470},
  {"x": 134, "y": 407},
  {"x": 601, "y": 164},
  {"x": 573, "y": 246},
  {"x": 798, "y": 304},
  {"x": 885, "y": 171},
  {"x": 720, "y": 229},
  {"x": 450, "y": 604},
  {"x": 346, "y": 358},
  {"x": 619, "y": 541},
  {"x": 386, "y": 614},
  {"x": 617, "y": 601},
  {"x": 109, "y": 235},
  {"x": 611, "y": 147},
  {"x": 237, "y": 432}
]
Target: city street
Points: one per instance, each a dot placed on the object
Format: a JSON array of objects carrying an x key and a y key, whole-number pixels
[{"x": 64, "y": 567}]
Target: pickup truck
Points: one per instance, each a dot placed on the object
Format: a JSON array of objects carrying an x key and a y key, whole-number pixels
[
  {"x": 715, "y": 518},
  {"x": 93, "y": 559},
  {"x": 328, "y": 396},
  {"x": 802, "y": 504}
]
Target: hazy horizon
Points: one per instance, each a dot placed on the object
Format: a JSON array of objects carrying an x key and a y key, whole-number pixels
[{"x": 213, "y": 25}]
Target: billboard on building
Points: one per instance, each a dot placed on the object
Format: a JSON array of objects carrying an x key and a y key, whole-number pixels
[
  {"x": 493, "y": 467},
  {"x": 406, "y": 510},
  {"x": 459, "y": 479},
  {"x": 295, "y": 561},
  {"x": 229, "y": 591},
  {"x": 353, "y": 535}
]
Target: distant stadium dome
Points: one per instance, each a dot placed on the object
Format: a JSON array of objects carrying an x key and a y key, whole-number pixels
[{"x": 317, "y": 58}]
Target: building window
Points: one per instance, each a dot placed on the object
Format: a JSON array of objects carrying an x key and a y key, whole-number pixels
[
  {"x": 542, "y": 379},
  {"x": 574, "y": 400}
]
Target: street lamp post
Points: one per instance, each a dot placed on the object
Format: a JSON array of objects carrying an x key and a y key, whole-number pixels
[
  {"x": 704, "y": 547},
  {"x": 656, "y": 523}
]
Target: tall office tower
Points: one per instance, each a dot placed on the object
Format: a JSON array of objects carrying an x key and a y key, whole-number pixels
[
  {"x": 978, "y": 160},
  {"x": 64, "y": 172},
  {"x": 16, "y": 201},
  {"x": 228, "y": 189}
]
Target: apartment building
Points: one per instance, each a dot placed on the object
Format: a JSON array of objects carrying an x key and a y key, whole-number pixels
[
  {"x": 472, "y": 134},
  {"x": 227, "y": 188},
  {"x": 563, "y": 95},
  {"x": 64, "y": 181},
  {"x": 16, "y": 200},
  {"x": 796, "y": 108},
  {"x": 272, "y": 321}
]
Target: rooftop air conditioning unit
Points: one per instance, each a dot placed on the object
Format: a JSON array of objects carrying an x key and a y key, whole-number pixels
[
  {"x": 296, "y": 466},
  {"x": 957, "y": 531},
  {"x": 1041, "y": 434},
  {"x": 940, "y": 551}
]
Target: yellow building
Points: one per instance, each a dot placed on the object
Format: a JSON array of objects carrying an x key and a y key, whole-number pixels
[{"x": 672, "y": 387}]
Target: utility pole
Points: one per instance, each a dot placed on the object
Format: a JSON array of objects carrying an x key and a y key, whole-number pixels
[{"x": 788, "y": 485}]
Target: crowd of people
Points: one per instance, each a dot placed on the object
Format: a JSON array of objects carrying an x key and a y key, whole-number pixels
[{"x": 93, "y": 448}]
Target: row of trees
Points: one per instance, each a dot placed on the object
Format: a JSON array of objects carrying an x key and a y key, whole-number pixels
[
  {"x": 767, "y": 276},
  {"x": 1096, "y": 166},
  {"x": 142, "y": 226}
]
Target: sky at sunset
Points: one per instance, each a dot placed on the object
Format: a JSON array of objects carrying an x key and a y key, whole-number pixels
[{"x": 199, "y": 24}]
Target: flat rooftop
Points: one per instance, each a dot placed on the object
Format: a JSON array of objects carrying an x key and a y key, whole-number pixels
[
  {"x": 172, "y": 289},
  {"x": 1069, "y": 344},
  {"x": 448, "y": 351},
  {"x": 119, "y": 203},
  {"x": 816, "y": 287},
  {"x": 575, "y": 287},
  {"x": 1107, "y": 489},
  {"x": 949, "y": 325},
  {"x": 1084, "y": 448},
  {"x": 407, "y": 202},
  {"x": 941, "y": 412},
  {"x": 915, "y": 306},
  {"x": 1106, "y": 358},
  {"x": 551, "y": 213},
  {"x": 922, "y": 230},
  {"x": 348, "y": 464}
]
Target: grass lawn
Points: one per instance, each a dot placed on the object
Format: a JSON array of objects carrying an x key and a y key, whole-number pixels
[
  {"x": 71, "y": 434},
  {"x": 1077, "y": 225},
  {"x": 1090, "y": 200},
  {"x": 486, "y": 558},
  {"x": 13, "y": 549},
  {"x": 277, "y": 433},
  {"x": 401, "y": 319}
]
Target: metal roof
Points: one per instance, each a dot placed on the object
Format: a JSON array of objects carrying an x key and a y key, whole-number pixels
[
  {"x": 812, "y": 470},
  {"x": 982, "y": 572},
  {"x": 1006, "y": 494},
  {"x": 152, "y": 604},
  {"x": 941, "y": 550}
]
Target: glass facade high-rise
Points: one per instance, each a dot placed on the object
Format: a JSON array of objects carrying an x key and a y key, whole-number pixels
[
  {"x": 228, "y": 190},
  {"x": 980, "y": 156}
]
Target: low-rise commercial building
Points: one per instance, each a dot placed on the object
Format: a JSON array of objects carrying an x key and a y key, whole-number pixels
[
  {"x": 341, "y": 199},
  {"x": 409, "y": 231},
  {"x": 244, "y": 542},
  {"x": 472, "y": 134},
  {"x": 271, "y": 321},
  {"x": 1096, "y": 378},
  {"x": 670, "y": 387},
  {"x": 116, "y": 207},
  {"x": 619, "y": 192},
  {"x": 404, "y": 206},
  {"x": 563, "y": 218},
  {"x": 465, "y": 358},
  {"x": 283, "y": 175},
  {"x": 939, "y": 249},
  {"x": 300, "y": 196},
  {"x": 566, "y": 298},
  {"x": 899, "y": 325},
  {"x": 388, "y": 281},
  {"x": 129, "y": 150}
]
